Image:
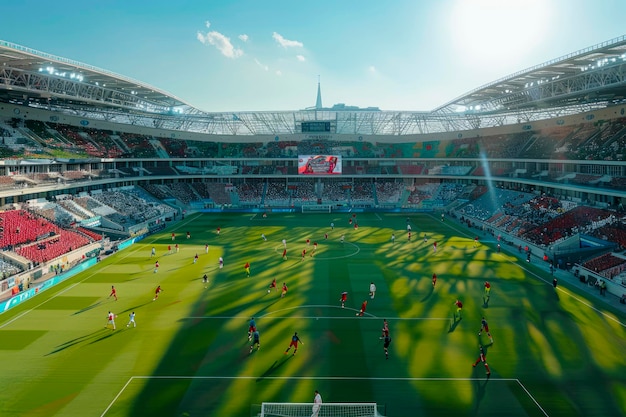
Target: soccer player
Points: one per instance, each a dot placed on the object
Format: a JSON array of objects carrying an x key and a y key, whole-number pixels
[
  {"x": 487, "y": 290},
  {"x": 435, "y": 247},
  {"x": 303, "y": 253},
  {"x": 157, "y": 292},
  {"x": 325, "y": 236},
  {"x": 195, "y": 258},
  {"x": 362, "y": 310},
  {"x": 385, "y": 330},
  {"x": 459, "y": 307},
  {"x": 482, "y": 357},
  {"x": 317, "y": 404},
  {"x": 272, "y": 285},
  {"x": 343, "y": 299},
  {"x": 156, "y": 267},
  {"x": 205, "y": 280},
  {"x": 284, "y": 291},
  {"x": 153, "y": 252},
  {"x": 393, "y": 238},
  {"x": 409, "y": 236},
  {"x": 221, "y": 262},
  {"x": 177, "y": 248},
  {"x": 285, "y": 243},
  {"x": 372, "y": 290},
  {"x": 332, "y": 226},
  {"x": 485, "y": 326},
  {"x": 173, "y": 236},
  {"x": 206, "y": 248},
  {"x": 308, "y": 242},
  {"x": 263, "y": 237},
  {"x": 285, "y": 254},
  {"x": 246, "y": 268},
  {"x": 434, "y": 279},
  {"x": 251, "y": 328},
  {"x": 110, "y": 320},
  {"x": 476, "y": 241},
  {"x": 188, "y": 235},
  {"x": 169, "y": 248},
  {"x": 342, "y": 238},
  {"x": 113, "y": 293},
  {"x": 294, "y": 343},
  {"x": 218, "y": 231},
  {"x": 386, "y": 343},
  {"x": 131, "y": 319},
  {"x": 255, "y": 341}
]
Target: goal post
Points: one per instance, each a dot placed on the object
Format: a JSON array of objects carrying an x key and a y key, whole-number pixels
[
  {"x": 319, "y": 410},
  {"x": 317, "y": 208}
]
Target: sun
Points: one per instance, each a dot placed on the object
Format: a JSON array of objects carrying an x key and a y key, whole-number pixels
[{"x": 493, "y": 32}]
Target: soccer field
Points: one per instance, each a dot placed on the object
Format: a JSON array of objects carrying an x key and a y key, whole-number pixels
[{"x": 555, "y": 352}]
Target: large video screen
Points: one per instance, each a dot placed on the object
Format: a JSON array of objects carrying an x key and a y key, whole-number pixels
[{"x": 319, "y": 164}]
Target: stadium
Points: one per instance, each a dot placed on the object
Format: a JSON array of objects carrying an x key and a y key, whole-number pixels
[{"x": 520, "y": 182}]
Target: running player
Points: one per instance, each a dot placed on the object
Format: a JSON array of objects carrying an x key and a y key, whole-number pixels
[
  {"x": 362, "y": 310},
  {"x": 485, "y": 326},
  {"x": 482, "y": 357},
  {"x": 343, "y": 299},
  {"x": 113, "y": 293},
  {"x": 294, "y": 343},
  {"x": 157, "y": 292}
]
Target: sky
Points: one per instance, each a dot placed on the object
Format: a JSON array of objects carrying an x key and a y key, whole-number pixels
[{"x": 268, "y": 55}]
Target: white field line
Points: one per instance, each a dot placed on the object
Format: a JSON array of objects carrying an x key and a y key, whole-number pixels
[{"x": 314, "y": 378}]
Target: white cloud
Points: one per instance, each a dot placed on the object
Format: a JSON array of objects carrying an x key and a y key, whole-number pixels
[
  {"x": 244, "y": 37},
  {"x": 265, "y": 67},
  {"x": 286, "y": 43},
  {"x": 207, "y": 24},
  {"x": 300, "y": 58},
  {"x": 372, "y": 69},
  {"x": 221, "y": 42},
  {"x": 279, "y": 72}
]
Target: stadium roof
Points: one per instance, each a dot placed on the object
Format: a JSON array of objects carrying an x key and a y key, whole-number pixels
[
  {"x": 588, "y": 79},
  {"x": 31, "y": 73}
]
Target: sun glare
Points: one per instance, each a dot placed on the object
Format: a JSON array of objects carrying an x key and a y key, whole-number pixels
[{"x": 491, "y": 32}]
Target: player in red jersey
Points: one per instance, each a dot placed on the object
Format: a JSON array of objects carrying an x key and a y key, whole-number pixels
[
  {"x": 435, "y": 247},
  {"x": 113, "y": 293},
  {"x": 482, "y": 357},
  {"x": 362, "y": 310},
  {"x": 110, "y": 320},
  {"x": 303, "y": 253},
  {"x": 157, "y": 292},
  {"x": 272, "y": 285},
  {"x": 156, "y": 267},
  {"x": 284, "y": 291},
  {"x": 285, "y": 254},
  {"x": 343, "y": 299},
  {"x": 251, "y": 328},
  {"x": 434, "y": 279},
  {"x": 173, "y": 236},
  {"x": 294, "y": 343}
]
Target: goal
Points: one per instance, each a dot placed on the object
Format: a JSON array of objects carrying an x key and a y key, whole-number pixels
[
  {"x": 325, "y": 410},
  {"x": 317, "y": 208}
]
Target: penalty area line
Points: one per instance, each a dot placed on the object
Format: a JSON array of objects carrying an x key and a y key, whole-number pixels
[{"x": 531, "y": 397}]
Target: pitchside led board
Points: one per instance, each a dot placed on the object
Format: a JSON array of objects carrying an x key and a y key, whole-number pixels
[{"x": 319, "y": 164}]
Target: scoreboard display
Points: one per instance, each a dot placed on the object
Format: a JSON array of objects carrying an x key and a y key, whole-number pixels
[{"x": 315, "y": 127}]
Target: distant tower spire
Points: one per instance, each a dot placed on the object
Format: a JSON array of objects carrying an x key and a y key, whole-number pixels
[{"x": 318, "y": 102}]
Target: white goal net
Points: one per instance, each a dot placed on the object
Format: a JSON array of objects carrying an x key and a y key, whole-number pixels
[
  {"x": 317, "y": 208},
  {"x": 319, "y": 410}
]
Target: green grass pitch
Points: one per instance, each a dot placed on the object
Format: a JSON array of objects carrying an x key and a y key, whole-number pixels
[{"x": 555, "y": 353}]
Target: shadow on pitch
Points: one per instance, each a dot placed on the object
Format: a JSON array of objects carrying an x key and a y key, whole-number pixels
[
  {"x": 87, "y": 308},
  {"x": 74, "y": 342},
  {"x": 481, "y": 388},
  {"x": 455, "y": 322},
  {"x": 134, "y": 308},
  {"x": 427, "y": 296},
  {"x": 275, "y": 366}
]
